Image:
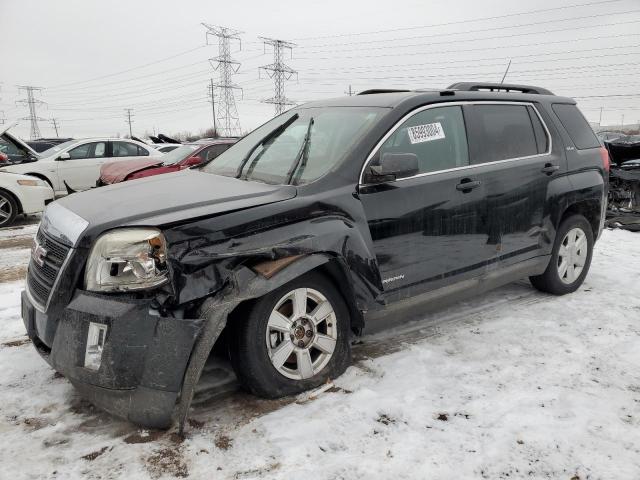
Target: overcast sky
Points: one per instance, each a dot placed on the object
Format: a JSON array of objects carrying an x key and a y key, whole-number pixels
[{"x": 95, "y": 58}]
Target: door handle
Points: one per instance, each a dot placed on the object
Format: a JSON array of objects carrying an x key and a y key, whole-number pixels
[
  {"x": 466, "y": 185},
  {"x": 550, "y": 168}
]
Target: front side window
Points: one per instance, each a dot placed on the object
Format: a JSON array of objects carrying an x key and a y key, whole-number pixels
[
  {"x": 124, "y": 149},
  {"x": 436, "y": 136},
  {"x": 214, "y": 151},
  {"x": 296, "y": 147},
  {"x": 88, "y": 150},
  {"x": 501, "y": 132}
]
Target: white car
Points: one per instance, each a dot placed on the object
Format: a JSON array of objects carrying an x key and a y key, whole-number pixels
[
  {"x": 75, "y": 165},
  {"x": 22, "y": 194}
]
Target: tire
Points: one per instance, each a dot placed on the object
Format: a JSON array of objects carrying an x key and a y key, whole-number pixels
[
  {"x": 273, "y": 325},
  {"x": 8, "y": 209},
  {"x": 563, "y": 274}
]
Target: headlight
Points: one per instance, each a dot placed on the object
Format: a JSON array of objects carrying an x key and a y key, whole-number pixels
[
  {"x": 30, "y": 183},
  {"x": 127, "y": 259}
]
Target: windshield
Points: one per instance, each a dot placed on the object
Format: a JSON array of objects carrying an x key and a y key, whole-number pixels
[
  {"x": 178, "y": 154},
  {"x": 58, "y": 148},
  {"x": 296, "y": 147}
]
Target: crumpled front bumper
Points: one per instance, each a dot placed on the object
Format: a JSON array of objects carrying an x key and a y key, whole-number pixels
[{"x": 143, "y": 359}]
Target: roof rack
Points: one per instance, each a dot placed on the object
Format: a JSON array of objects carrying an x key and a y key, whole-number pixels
[
  {"x": 498, "y": 87},
  {"x": 374, "y": 91}
]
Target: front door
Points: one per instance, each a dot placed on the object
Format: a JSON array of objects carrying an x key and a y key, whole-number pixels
[
  {"x": 82, "y": 169},
  {"x": 428, "y": 229}
]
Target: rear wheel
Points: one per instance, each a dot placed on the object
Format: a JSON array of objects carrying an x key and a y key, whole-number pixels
[
  {"x": 293, "y": 339},
  {"x": 8, "y": 209},
  {"x": 570, "y": 259}
]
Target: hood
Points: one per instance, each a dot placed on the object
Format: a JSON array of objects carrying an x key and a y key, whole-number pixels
[
  {"x": 115, "y": 172},
  {"x": 4, "y": 134},
  {"x": 170, "y": 198}
]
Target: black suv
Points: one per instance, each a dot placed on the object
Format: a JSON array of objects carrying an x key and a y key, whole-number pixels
[{"x": 310, "y": 230}]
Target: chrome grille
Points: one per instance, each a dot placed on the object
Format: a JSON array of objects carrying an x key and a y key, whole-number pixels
[{"x": 41, "y": 278}]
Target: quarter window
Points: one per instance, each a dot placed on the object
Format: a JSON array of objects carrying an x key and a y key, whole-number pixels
[
  {"x": 501, "y": 132},
  {"x": 576, "y": 126},
  {"x": 436, "y": 136}
]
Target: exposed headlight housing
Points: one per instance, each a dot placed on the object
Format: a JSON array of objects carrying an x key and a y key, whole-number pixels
[{"x": 127, "y": 259}]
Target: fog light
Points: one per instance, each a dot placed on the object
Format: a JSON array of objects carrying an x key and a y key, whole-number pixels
[{"x": 95, "y": 345}]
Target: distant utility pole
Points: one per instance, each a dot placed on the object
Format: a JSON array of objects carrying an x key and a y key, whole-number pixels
[
  {"x": 279, "y": 72},
  {"x": 600, "y": 120},
  {"x": 31, "y": 102},
  {"x": 212, "y": 96},
  {"x": 622, "y": 122},
  {"x": 227, "y": 66},
  {"x": 54, "y": 122},
  {"x": 128, "y": 113},
  {"x": 505, "y": 72},
  {"x": 2, "y": 117},
  {"x": 350, "y": 92}
]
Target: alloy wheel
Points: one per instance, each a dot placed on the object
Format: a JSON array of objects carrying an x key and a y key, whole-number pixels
[
  {"x": 6, "y": 209},
  {"x": 301, "y": 333}
]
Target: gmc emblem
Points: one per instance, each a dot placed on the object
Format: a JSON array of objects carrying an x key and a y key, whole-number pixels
[{"x": 38, "y": 253}]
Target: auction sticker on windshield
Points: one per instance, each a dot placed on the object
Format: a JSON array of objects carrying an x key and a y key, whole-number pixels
[{"x": 425, "y": 133}]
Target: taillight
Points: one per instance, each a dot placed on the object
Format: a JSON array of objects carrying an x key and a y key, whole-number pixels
[{"x": 606, "y": 161}]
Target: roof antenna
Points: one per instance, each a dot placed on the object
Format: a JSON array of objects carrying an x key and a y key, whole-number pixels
[{"x": 505, "y": 73}]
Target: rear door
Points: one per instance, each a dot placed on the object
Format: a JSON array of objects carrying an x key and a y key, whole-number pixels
[
  {"x": 427, "y": 230},
  {"x": 123, "y": 151},
  {"x": 82, "y": 169},
  {"x": 512, "y": 145}
]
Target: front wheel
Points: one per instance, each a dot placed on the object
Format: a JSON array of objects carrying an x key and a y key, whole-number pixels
[
  {"x": 8, "y": 209},
  {"x": 293, "y": 339},
  {"x": 570, "y": 259}
]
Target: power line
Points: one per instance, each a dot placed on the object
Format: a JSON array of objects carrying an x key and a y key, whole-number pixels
[
  {"x": 495, "y": 37},
  {"x": 227, "y": 66},
  {"x": 31, "y": 102},
  {"x": 459, "y": 22},
  {"x": 279, "y": 71},
  {"x": 128, "y": 69}
]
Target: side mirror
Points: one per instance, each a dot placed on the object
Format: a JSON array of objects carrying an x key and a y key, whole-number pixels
[
  {"x": 64, "y": 156},
  {"x": 393, "y": 166},
  {"x": 192, "y": 161}
]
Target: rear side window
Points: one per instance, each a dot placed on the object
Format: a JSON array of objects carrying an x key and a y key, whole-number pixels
[
  {"x": 576, "y": 126},
  {"x": 124, "y": 149},
  {"x": 501, "y": 132},
  {"x": 436, "y": 136}
]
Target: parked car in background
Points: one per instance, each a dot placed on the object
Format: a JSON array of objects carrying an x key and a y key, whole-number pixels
[
  {"x": 75, "y": 165},
  {"x": 185, "y": 156},
  {"x": 22, "y": 194},
  {"x": 330, "y": 219},
  {"x": 166, "y": 147},
  {"x": 13, "y": 150},
  {"x": 42, "y": 144}
]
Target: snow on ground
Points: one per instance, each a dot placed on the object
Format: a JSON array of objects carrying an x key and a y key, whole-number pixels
[{"x": 515, "y": 384}]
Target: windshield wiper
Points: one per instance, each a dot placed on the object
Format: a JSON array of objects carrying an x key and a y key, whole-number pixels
[
  {"x": 274, "y": 133},
  {"x": 303, "y": 154}
]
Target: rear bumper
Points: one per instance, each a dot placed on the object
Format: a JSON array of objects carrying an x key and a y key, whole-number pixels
[{"x": 143, "y": 359}]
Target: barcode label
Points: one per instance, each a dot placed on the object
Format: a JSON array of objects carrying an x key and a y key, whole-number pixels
[{"x": 425, "y": 133}]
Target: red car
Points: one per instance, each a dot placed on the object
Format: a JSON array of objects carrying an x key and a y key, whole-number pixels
[{"x": 185, "y": 156}]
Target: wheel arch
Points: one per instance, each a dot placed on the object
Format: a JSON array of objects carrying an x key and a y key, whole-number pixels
[
  {"x": 250, "y": 282},
  {"x": 589, "y": 209},
  {"x": 43, "y": 177}
]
